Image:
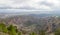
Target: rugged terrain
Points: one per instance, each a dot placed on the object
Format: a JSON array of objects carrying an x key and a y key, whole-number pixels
[{"x": 30, "y": 23}]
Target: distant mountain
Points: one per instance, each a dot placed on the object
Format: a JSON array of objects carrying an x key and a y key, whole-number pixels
[
  {"x": 41, "y": 15},
  {"x": 3, "y": 15},
  {"x": 33, "y": 22}
]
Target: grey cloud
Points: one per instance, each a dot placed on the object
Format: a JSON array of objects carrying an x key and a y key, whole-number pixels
[
  {"x": 45, "y": 3},
  {"x": 3, "y": 6},
  {"x": 19, "y": 1}
]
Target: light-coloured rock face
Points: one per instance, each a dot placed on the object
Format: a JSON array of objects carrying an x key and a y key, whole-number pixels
[
  {"x": 30, "y": 23},
  {"x": 51, "y": 33},
  {"x": 1, "y": 33}
]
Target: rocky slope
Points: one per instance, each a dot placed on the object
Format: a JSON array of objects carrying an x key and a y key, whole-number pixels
[{"x": 31, "y": 23}]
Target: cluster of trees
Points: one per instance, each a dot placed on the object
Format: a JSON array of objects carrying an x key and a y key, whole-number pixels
[{"x": 12, "y": 30}]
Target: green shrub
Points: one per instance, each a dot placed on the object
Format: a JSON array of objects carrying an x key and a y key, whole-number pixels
[
  {"x": 3, "y": 28},
  {"x": 57, "y": 31},
  {"x": 12, "y": 30},
  {"x": 19, "y": 33},
  {"x": 33, "y": 33},
  {"x": 42, "y": 32}
]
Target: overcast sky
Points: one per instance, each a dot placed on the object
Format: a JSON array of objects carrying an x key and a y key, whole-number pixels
[{"x": 43, "y": 6}]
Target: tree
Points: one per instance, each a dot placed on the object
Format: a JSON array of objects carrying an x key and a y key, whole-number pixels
[
  {"x": 12, "y": 30},
  {"x": 19, "y": 33},
  {"x": 33, "y": 33},
  {"x": 42, "y": 32},
  {"x": 3, "y": 28},
  {"x": 57, "y": 31}
]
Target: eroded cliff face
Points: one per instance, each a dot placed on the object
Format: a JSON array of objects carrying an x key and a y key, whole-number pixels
[{"x": 31, "y": 23}]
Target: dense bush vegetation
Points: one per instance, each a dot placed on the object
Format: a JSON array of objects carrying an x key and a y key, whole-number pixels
[
  {"x": 57, "y": 31},
  {"x": 42, "y": 32},
  {"x": 12, "y": 30},
  {"x": 3, "y": 28},
  {"x": 33, "y": 33},
  {"x": 19, "y": 33}
]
